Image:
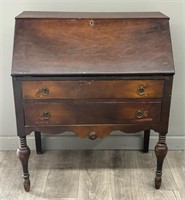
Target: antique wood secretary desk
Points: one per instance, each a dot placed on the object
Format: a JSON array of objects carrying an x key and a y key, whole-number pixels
[{"x": 92, "y": 73}]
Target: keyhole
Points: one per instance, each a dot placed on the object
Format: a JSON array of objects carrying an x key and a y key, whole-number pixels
[{"x": 91, "y": 22}]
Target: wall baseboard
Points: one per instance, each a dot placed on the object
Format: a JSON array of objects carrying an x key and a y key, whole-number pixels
[{"x": 71, "y": 142}]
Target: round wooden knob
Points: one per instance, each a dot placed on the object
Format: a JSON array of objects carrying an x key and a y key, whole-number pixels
[{"x": 92, "y": 136}]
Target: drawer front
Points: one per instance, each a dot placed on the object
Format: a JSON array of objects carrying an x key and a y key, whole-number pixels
[
  {"x": 81, "y": 112},
  {"x": 92, "y": 89}
]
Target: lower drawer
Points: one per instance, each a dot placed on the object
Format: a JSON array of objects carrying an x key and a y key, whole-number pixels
[{"x": 72, "y": 113}]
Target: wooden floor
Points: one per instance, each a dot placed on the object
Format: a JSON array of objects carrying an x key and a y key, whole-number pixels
[{"x": 93, "y": 175}]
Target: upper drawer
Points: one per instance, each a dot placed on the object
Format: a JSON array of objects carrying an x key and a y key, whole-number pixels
[{"x": 92, "y": 89}]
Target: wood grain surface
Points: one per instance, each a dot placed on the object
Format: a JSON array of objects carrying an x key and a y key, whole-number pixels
[
  {"x": 79, "y": 46},
  {"x": 87, "y": 112},
  {"x": 92, "y": 89}
]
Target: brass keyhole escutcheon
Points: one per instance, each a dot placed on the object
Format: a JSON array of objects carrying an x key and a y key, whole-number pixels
[{"x": 91, "y": 23}]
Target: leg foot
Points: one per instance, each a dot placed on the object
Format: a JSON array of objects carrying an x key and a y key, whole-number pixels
[
  {"x": 23, "y": 153},
  {"x": 26, "y": 185},
  {"x": 158, "y": 182},
  {"x": 161, "y": 150},
  {"x": 38, "y": 142},
  {"x": 146, "y": 141}
]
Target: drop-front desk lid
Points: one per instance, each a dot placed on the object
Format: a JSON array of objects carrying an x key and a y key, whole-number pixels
[{"x": 53, "y": 43}]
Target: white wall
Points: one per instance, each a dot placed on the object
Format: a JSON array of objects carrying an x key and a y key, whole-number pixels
[{"x": 174, "y": 9}]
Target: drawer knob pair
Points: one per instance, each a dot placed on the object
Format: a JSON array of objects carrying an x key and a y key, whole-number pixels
[
  {"x": 141, "y": 90},
  {"x": 43, "y": 91},
  {"x": 45, "y": 115}
]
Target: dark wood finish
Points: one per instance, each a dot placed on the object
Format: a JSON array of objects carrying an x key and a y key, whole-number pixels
[
  {"x": 161, "y": 150},
  {"x": 92, "y": 73},
  {"x": 74, "y": 46},
  {"x": 92, "y": 89},
  {"x": 38, "y": 142},
  {"x": 102, "y": 130},
  {"x": 146, "y": 141},
  {"x": 91, "y": 113},
  {"x": 19, "y": 111},
  {"x": 166, "y": 105},
  {"x": 23, "y": 153}
]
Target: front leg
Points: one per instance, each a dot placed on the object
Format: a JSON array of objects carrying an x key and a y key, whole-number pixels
[
  {"x": 161, "y": 150},
  {"x": 23, "y": 153}
]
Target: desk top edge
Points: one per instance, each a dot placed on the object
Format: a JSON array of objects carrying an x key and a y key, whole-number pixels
[{"x": 81, "y": 15}]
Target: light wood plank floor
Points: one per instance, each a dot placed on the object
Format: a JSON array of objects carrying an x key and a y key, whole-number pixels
[{"x": 93, "y": 175}]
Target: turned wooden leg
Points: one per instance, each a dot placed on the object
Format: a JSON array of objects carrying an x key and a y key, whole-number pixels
[
  {"x": 38, "y": 142},
  {"x": 161, "y": 150},
  {"x": 23, "y": 153},
  {"x": 146, "y": 141}
]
